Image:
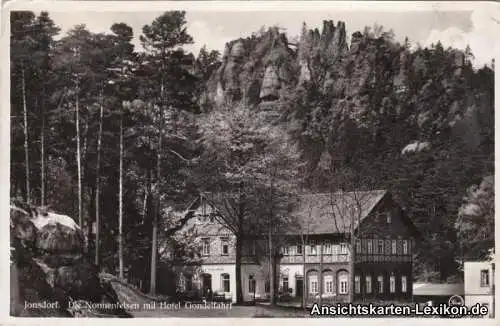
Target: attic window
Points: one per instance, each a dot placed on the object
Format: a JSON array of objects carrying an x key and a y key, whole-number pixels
[
  {"x": 202, "y": 218},
  {"x": 389, "y": 218}
]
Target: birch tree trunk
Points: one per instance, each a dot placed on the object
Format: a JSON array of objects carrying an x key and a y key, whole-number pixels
[
  {"x": 351, "y": 264},
  {"x": 146, "y": 196},
  {"x": 304, "y": 285},
  {"x": 42, "y": 157},
  {"x": 26, "y": 149},
  {"x": 272, "y": 297},
  {"x": 320, "y": 278},
  {"x": 98, "y": 184},
  {"x": 78, "y": 158},
  {"x": 120, "y": 199}
]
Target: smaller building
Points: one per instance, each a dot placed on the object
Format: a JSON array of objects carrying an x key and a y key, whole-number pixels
[
  {"x": 436, "y": 293},
  {"x": 479, "y": 280}
]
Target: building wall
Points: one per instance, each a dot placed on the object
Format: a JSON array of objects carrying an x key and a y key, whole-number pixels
[
  {"x": 472, "y": 278},
  {"x": 377, "y": 225},
  {"x": 475, "y": 292},
  {"x": 293, "y": 272},
  {"x": 486, "y": 299},
  {"x": 216, "y": 271},
  {"x": 324, "y": 273},
  {"x": 260, "y": 275},
  {"x": 386, "y": 270}
]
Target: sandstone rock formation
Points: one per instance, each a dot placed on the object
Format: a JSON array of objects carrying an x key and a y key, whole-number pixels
[
  {"x": 371, "y": 79},
  {"x": 49, "y": 266}
]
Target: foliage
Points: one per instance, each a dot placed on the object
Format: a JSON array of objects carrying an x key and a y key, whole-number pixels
[{"x": 476, "y": 220}]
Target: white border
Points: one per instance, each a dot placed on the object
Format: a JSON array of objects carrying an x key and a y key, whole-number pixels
[{"x": 152, "y": 6}]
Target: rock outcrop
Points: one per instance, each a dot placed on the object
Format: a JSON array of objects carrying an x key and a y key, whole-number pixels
[
  {"x": 49, "y": 269},
  {"x": 327, "y": 84}
]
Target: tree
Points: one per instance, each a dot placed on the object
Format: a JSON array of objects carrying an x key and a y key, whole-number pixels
[
  {"x": 163, "y": 40},
  {"x": 22, "y": 43},
  {"x": 122, "y": 66},
  {"x": 475, "y": 223},
  {"x": 240, "y": 156},
  {"x": 47, "y": 30},
  {"x": 349, "y": 197},
  {"x": 277, "y": 180}
]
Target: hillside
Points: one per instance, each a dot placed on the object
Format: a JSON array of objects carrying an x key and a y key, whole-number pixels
[
  {"x": 121, "y": 140},
  {"x": 418, "y": 122}
]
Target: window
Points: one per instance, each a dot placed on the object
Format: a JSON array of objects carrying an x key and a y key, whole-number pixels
[
  {"x": 485, "y": 278},
  {"x": 405, "y": 247},
  {"x": 380, "y": 284},
  {"x": 404, "y": 285},
  {"x": 299, "y": 249},
  {"x": 182, "y": 283},
  {"x": 285, "y": 284},
  {"x": 368, "y": 282},
  {"x": 225, "y": 282},
  {"x": 251, "y": 284},
  {"x": 381, "y": 246},
  {"x": 389, "y": 218},
  {"x": 267, "y": 286},
  {"x": 357, "y": 284},
  {"x": 370, "y": 246},
  {"x": 394, "y": 247},
  {"x": 211, "y": 217},
  {"x": 392, "y": 284},
  {"x": 343, "y": 283},
  {"x": 327, "y": 249},
  {"x": 225, "y": 246},
  {"x": 205, "y": 249},
  {"x": 202, "y": 218},
  {"x": 312, "y": 249},
  {"x": 343, "y": 248},
  {"x": 189, "y": 282},
  {"x": 313, "y": 284},
  {"x": 328, "y": 280},
  {"x": 358, "y": 246},
  {"x": 285, "y": 250}
]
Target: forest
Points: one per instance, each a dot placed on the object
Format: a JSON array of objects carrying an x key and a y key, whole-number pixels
[{"x": 124, "y": 140}]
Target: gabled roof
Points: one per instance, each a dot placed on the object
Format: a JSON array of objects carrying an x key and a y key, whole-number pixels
[{"x": 327, "y": 213}]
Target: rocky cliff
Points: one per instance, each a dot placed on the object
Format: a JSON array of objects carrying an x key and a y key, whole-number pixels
[
  {"x": 416, "y": 121},
  {"x": 367, "y": 80}
]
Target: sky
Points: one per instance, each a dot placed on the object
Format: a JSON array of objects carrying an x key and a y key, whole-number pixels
[{"x": 215, "y": 28}]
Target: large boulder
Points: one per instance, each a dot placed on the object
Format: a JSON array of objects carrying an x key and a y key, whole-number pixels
[{"x": 49, "y": 268}]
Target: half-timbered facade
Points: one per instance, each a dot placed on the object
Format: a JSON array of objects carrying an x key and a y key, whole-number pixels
[
  {"x": 316, "y": 254},
  {"x": 319, "y": 250}
]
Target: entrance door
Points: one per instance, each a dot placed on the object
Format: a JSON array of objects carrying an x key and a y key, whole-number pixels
[
  {"x": 206, "y": 283},
  {"x": 299, "y": 286}
]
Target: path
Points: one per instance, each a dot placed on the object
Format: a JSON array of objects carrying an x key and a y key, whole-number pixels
[{"x": 149, "y": 308}]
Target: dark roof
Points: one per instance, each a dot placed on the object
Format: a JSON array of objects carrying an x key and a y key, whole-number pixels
[
  {"x": 327, "y": 213},
  {"x": 438, "y": 289}
]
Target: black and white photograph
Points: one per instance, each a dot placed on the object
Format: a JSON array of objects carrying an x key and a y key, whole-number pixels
[{"x": 272, "y": 160}]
